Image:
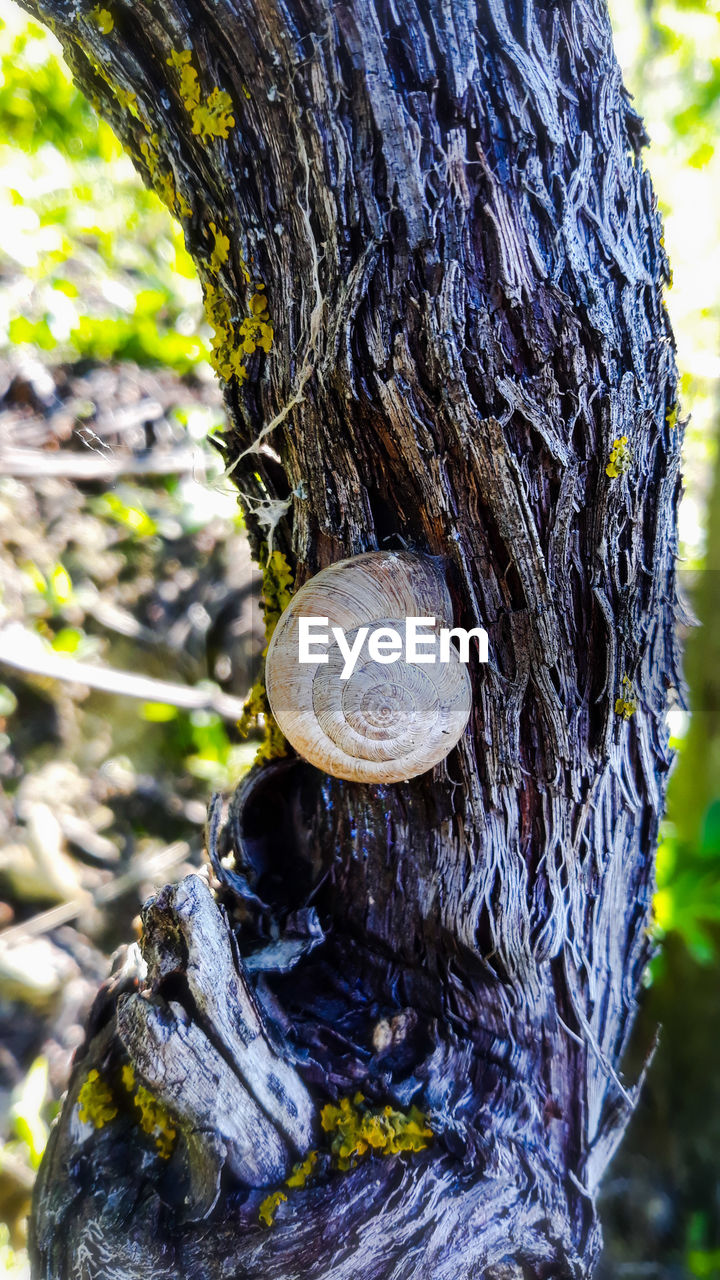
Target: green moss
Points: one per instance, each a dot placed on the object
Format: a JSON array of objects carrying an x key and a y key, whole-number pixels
[{"x": 277, "y": 592}]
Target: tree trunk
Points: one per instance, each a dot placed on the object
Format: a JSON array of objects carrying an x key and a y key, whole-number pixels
[{"x": 445, "y": 207}]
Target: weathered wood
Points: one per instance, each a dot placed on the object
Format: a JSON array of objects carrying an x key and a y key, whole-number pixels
[{"x": 463, "y": 264}]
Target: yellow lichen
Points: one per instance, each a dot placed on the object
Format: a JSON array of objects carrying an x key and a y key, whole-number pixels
[
  {"x": 103, "y": 20},
  {"x": 268, "y": 1208},
  {"x": 302, "y": 1172},
  {"x": 256, "y": 331},
  {"x": 189, "y": 84},
  {"x": 126, "y": 100},
  {"x": 220, "y": 250},
  {"x": 671, "y": 416},
  {"x": 225, "y": 357},
  {"x": 277, "y": 592},
  {"x": 96, "y": 1105},
  {"x": 626, "y": 703},
  {"x": 175, "y": 201},
  {"x": 179, "y": 58},
  {"x": 123, "y": 97},
  {"x": 298, "y": 1178},
  {"x": 149, "y": 152},
  {"x": 154, "y": 1118},
  {"x": 358, "y": 1129},
  {"x": 620, "y": 458},
  {"x": 212, "y": 118},
  {"x": 163, "y": 179},
  {"x": 230, "y": 348}
]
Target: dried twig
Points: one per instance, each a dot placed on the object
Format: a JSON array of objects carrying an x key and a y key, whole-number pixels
[
  {"x": 36, "y": 463},
  {"x": 25, "y": 651}
]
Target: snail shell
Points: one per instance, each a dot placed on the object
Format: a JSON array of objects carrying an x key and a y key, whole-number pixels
[{"x": 386, "y": 722}]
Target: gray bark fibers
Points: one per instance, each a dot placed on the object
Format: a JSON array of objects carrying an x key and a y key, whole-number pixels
[{"x": 464, "y": 269}]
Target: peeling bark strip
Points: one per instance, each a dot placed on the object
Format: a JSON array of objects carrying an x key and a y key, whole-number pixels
[{"x": 434, "y": 265}]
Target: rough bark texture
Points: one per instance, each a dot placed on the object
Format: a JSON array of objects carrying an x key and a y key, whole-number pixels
[{"x": 464, "y": 269}]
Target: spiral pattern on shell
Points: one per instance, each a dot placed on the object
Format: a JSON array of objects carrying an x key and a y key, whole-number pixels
[{"x": 386, "y": 722}]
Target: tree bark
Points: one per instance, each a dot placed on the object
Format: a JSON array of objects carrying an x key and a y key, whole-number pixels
[{"x": 463, "y": 264}]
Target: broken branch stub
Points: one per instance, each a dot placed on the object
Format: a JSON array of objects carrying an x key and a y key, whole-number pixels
[{"x": 197, "y": 1038}]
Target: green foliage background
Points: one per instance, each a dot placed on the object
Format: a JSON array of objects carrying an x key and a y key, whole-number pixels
[
  {"x": 92, "y": 264},
  {"x": 93, "y": 268}
]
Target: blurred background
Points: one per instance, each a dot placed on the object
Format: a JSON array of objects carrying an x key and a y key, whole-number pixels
[{"x": 122, "y": 557}]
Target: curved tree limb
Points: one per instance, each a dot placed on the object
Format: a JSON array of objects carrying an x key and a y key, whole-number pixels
[{"x": 462, "y": 259}]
